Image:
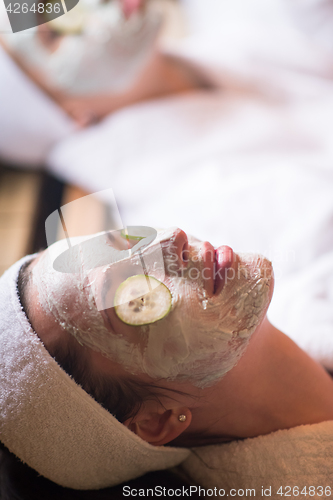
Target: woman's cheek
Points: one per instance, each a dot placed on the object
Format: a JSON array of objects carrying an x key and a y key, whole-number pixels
[{"x": 172, "y": 270}]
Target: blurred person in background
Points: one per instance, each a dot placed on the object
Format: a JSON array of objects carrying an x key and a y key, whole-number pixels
[
  {"x": 74, "y": 70},
  {"x": 102, "y": 57}
]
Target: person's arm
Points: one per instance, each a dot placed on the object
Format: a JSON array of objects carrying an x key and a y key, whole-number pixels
[
  {"x": 32, "y": 73},
  {"x": 163, "y": 76}
]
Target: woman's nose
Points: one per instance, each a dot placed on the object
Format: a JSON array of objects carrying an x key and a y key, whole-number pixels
[{"x": 178, "y": 250}]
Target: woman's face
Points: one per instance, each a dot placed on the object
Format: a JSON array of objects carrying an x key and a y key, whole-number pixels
[{"x": 218, "y": 300}]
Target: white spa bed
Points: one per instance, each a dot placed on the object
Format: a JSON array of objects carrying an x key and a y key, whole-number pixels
[{"x": 249, "y": 165}]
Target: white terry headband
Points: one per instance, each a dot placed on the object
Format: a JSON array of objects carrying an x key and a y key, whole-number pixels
[{"x": 51, "y": 423}]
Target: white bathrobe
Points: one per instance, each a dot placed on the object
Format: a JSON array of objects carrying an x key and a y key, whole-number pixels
[{"x": 290, "y": 463}]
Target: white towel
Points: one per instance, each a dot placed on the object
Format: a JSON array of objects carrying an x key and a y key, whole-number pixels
[
  {"x": 299, "y": 457},
  {"x": 51, "y": 423}
]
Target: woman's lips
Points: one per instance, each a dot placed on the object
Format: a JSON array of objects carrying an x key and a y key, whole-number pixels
[
  {"x": 223, "y": 262},
  {"x": 216, "y": 263},
  {"x": 208, "y": 259}
]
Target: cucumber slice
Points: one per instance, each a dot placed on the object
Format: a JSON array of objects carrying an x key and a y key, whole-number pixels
[
  {"x": 137, "y": 233},
  {"x": 136, "y": 305}
]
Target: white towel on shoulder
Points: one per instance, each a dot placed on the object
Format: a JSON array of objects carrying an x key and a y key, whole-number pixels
[{"x": 299, "y": 457}]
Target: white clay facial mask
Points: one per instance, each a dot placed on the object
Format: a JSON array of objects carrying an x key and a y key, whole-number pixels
[{"x": 199, "y": 339}]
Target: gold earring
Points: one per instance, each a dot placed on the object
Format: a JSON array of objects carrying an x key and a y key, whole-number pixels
[{"x": 182, "y": 418}]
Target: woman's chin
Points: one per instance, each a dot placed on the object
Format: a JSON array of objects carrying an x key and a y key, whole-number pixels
[{"x": 248, "y": 291}]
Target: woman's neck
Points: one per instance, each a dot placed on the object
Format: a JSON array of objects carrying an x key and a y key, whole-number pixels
[{"x": 274, "y": 386}]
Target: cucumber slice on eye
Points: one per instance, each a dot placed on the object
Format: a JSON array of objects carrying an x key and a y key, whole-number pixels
[
  {"x": 136, "y": 233},
  {"x": 138, "y": 307}
]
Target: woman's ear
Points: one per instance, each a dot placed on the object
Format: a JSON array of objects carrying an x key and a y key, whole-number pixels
[{"x": 160, "y": 427}]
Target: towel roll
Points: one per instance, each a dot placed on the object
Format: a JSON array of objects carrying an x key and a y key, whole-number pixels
[{"x": 51, "y": 423}]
